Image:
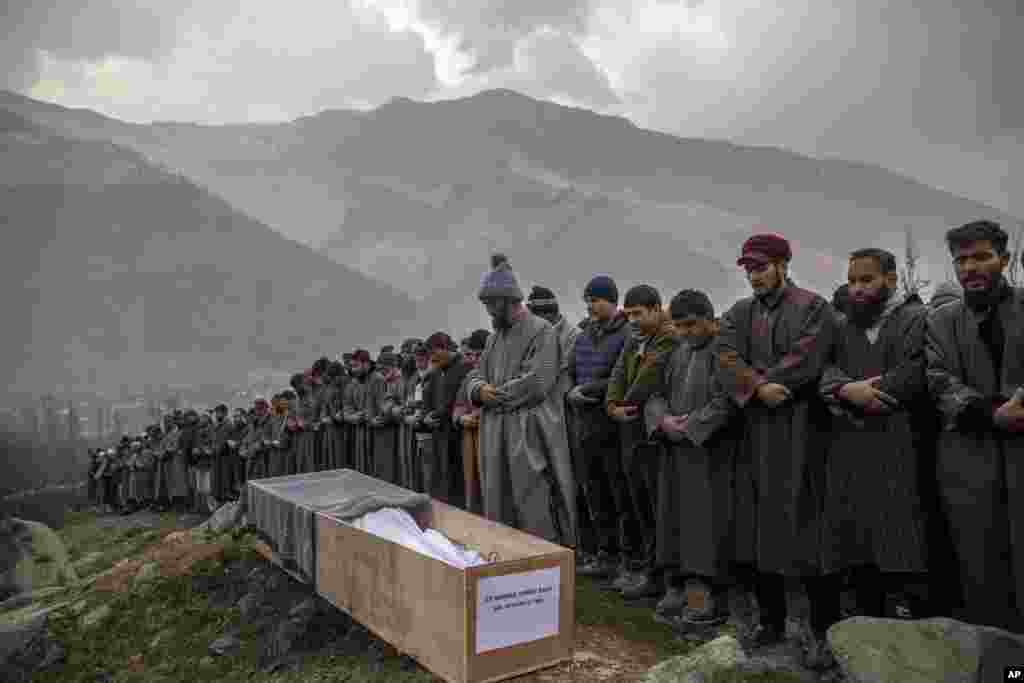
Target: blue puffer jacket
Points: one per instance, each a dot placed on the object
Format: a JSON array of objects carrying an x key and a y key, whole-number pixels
[{"x": 592, "y": 358}]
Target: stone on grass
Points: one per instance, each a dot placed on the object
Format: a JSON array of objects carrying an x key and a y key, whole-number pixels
[
  {"x": 34, "y": 556},
  {"x": 721, "y": 653},
  {"x": 226, "y": 518},
  {"x": 872, "y": 650}
]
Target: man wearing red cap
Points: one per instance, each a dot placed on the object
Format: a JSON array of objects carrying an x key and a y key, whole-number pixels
[{"x": 772, "y": 350}]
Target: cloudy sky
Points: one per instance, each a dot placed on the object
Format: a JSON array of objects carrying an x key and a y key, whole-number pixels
[{"x": 930, "y": 88}]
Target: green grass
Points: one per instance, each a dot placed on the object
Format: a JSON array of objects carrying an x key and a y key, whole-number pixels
[
  {"x": 187, "y": 622},
  {"x": 595, "y": 607}
]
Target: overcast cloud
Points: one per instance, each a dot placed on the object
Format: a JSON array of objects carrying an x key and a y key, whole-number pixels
[{"x": 925, "y": 87}]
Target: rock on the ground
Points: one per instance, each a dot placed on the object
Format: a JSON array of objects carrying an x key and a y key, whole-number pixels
[
  {"x": 872, "y": 650},
  {"x": 227, "y": 517},
  {"x": 147, "y": 572},
  {"x": 225, "y": 645},
  {"x": 721, "y": 653},
  {"x": 32, "y": 556},
  {"x": 96, "y": 616}
]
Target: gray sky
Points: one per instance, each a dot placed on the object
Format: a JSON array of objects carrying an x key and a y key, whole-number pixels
[{"x": 930, "y": 88}]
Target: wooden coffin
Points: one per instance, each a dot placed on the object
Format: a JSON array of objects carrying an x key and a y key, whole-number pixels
[{"x": 487, "y": 623}]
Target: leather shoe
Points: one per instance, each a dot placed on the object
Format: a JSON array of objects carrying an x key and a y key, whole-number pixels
[
  {"x": 644, "y": 588},
  {"x": 598, "y": 568},
  {"x": 672, "y": 604}
]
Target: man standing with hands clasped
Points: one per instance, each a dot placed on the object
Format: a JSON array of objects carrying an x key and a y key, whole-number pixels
[
  {"x": 771, "y": 352},
  {"x": 975, "y": 371},
  {"x": 522, "y": 434}
]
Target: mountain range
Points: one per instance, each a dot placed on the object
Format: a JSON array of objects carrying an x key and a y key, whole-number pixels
[
  {"x": 418, "y": 194},
  {"x": 129, "y": 276}
]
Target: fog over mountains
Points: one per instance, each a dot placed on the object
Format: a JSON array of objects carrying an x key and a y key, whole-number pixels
[
  {"x": 121, "y": 275},
  {"x": 417, "y": 195}
]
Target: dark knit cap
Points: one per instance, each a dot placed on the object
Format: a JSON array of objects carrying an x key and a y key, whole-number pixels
[
  {"x": 347, "y": 356},
  {"x": 602, "y": 287},
  {"x": 388, "y": 359},
  {"x": 478, "y": 340},
  {"x": 691, "y": 302},
  {"x": 500, "y": 281},
  {"x": 441, "y": 340},
  {"x": 390, "y": 348},
  {"x": 421, "y": 349},
  {"x": 220, "y": 408},
  {"x": 764, "y": 248},
  {"x": 409, "y": 345},
  {"x": 542, "y": 301}
]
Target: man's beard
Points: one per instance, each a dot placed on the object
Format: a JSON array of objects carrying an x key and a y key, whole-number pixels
[
  {"x": 981, "y": 299},
  {"x": 864, "y": 314},
  {"x": 501, "y": 321}
]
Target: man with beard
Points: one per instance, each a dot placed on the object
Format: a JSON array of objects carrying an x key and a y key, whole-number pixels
[
  {"x": 381, "y": 423},
  {"x": 692, "y": 417},
  {"x": 175, "y": 470},
  {"x": 356, "y": 415},
  {"x": 522, "y": 435},
  {"x": 332, "y": 439},
  {"x": 240, "y": 426},
  {"x": 467, "y": 417},
  {"x": 413, "y": 414},
  {"x": 255, "y": 444},
  {"x": 279, "y": 456},
  {"x": 400, "y": 404},
  {"x": 771, "y": 352},
  {"x": 143, "y": 465},
  {"x": 315, "y": 379},
  {"x": 873, "y": 382},
  {"x": 443, "y": 474},
  {"x": 161, "y": 492},
  {"x": 223, "y": 465},
  {"x": 302, "y": 424},
  {"x": 197, "y": 444},
  {"x": 597, "y": 459},
  {"x": 975, "y": 374},
  {"x": 634, "y": 378}
]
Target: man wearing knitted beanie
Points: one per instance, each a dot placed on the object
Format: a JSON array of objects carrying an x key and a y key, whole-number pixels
[
  {"x": 542, "y": 302},
  {"x": 526, "y": 476}
]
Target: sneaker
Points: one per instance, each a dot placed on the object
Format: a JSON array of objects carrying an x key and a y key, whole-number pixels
[
  {"x": 672, "y": 604},
  {"x": 624, "y": 579},
  {"x": 702, "y": 606},
  {"x": 601, "y": 567},
  {"x": 644, "y": 588}
]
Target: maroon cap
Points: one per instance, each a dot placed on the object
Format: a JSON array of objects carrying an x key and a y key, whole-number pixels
[
  {"x": 764, "y": 248},
  {"x": 361, "y": 356}
]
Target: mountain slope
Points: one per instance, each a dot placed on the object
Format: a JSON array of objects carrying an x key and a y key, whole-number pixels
[
  {"x": 123, "y": 275},
  {"x": 416, "y": 194}
]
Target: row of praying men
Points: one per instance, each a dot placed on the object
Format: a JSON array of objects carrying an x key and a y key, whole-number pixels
[{"x": 872, "y": 443}]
